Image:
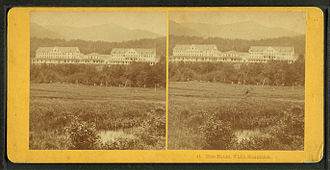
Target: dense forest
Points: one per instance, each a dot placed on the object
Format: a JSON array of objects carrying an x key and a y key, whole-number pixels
[
  {"x": 134, "y": 75},
  {"x": 101, "y": 47},
  {"x": 298, "y": 42},
  {"x": 271, "y": 73}
]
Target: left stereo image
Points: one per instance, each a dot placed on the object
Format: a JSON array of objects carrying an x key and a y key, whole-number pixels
[{"x": 97, "y": 80}]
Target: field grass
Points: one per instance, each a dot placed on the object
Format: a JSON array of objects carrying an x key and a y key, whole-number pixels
[
  {"x": 117, "y": 117},
  {"x": 206, "y": 115}
]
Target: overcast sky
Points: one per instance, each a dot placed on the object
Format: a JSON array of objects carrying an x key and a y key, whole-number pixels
[
  {"x": 153, "y": 21},
  {"x": 294, "y": 21}
]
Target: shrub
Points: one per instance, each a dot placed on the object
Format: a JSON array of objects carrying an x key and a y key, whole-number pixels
[
  {"x": 217, "y": 133},
  {"x": 152, "y": 131},
  {"x": 286, "y": 132},
  {"x": 82, "y": 134}
]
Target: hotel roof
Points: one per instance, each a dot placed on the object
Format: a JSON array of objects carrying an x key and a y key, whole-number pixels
[
  {"x": 142, "y": 51},
  {"x": 276, "y": 48},
  {"x": 196, "y": 46},
  {"x": 60, "y": 49}
]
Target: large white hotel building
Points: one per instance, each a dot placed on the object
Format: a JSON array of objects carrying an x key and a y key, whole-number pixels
[
  {"x": 72, "y": 55},
  {"x": 210, "y": 53}
]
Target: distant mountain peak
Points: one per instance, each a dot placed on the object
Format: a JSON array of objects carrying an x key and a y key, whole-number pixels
[{"x": 36, "y": 30}]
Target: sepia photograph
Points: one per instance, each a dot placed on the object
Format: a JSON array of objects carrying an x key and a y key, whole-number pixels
[
  {"x": 97, "y": 80},
  {"x": 236, "y": 80},
  {"x": 176, "y": 85}
]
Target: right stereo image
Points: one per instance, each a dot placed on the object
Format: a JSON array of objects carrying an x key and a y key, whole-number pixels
[{"x": 236, "y": 80}]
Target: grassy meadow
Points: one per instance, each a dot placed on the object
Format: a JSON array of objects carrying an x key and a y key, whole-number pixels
[
  {"x": 70, "y": 116},
  {"x": 217, "y": 116}
]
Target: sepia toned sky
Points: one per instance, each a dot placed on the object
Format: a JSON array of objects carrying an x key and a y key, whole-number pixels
[
  {"x": 294, "y": 21},
  {"x": 153, "y": 21}
]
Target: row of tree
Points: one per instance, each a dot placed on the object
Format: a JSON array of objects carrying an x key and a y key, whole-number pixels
[
  {"x": 133, "y": 75},
  {"x": 271, "y": 73},
  {"x": 145, "y": 75}
]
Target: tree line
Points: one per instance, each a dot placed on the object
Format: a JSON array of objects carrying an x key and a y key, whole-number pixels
[
  {"x": 133, "y": 75},
  {"x": 145, "y": 75},
  {"x": 271, "y": 73},
  {"x": 240, "y": 45}
]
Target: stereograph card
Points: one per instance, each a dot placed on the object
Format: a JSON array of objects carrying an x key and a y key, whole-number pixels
[{"x": 165, "y": 85}]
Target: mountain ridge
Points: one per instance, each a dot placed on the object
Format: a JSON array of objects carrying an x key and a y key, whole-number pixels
[
  {"x": 248, "y": 30},
  {"x": 91, "y": 33}
]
